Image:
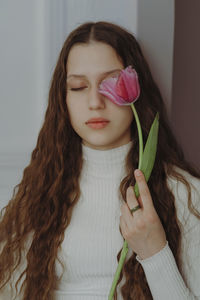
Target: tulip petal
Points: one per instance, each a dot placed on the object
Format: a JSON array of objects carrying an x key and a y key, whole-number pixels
[
  {"x": 123, "y": 89},
  {"x": 132, "y": 85},
  {"x": 107, "y": 88},
  {"x": 128, "y": 81}
]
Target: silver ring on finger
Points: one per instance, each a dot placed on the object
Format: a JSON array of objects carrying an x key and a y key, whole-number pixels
[{"x": 135, "y": 208}]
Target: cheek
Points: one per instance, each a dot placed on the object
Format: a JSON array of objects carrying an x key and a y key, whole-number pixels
[
  {"x": 74, "y": 108},
  {"x": 124, "y": 116},
  {"x": 73, "y": 113}
]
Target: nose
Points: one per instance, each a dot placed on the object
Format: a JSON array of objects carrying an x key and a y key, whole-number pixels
[{"x": 96, "y": 100}]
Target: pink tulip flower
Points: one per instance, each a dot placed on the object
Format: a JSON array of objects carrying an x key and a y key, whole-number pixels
[{"x": 123, "y": 89}]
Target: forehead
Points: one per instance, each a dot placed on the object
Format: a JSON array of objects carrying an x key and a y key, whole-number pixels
[{"x": 92, "y": 57}]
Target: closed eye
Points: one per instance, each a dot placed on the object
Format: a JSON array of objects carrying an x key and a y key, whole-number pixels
[{"x": 77, "y": 89}]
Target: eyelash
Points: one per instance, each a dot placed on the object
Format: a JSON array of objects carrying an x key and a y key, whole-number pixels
[{"x": 77, "y": 89}]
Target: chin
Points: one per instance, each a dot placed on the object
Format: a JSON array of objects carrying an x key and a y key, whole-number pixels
[{"x": 101, "y": 143}]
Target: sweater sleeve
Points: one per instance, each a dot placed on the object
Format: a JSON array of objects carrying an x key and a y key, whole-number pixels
[{"x": 164, "y": 278}]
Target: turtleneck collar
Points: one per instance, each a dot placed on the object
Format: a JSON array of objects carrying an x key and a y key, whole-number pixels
[{"x": 105, "y": 163}]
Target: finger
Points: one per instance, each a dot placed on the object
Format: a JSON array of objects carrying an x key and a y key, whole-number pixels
[
  {"x": 145, "y": 195},
  {"x": 132, "y": 202},
  {"x": 127, "y": 216},
  {"x": 131, "y": 199},
  {"x": 123, "y": 227}
]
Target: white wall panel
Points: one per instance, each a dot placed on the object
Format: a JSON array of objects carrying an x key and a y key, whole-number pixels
[
  {"x": 18, "y": 90},
  {"x": 123, "y": 12}
]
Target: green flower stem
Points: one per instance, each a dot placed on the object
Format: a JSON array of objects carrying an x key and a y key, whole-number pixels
[
  {"x": 139, "y": 134},
  {"x": 119, "y": 268},
  {"x": 125, "y": 245}
]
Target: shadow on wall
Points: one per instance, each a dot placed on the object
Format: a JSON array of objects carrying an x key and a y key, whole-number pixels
[{"x": 185, "y": 113}]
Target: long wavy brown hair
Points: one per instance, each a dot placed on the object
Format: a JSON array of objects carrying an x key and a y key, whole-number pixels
[{"x": 42, "y": 203}]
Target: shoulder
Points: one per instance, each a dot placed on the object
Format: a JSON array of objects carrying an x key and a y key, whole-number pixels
[
  {"x": 180, "y": 192},
  {"x": 180, "y": 189}
]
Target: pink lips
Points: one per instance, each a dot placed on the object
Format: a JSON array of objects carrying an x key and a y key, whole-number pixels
[{"x": 97, "y": 123}]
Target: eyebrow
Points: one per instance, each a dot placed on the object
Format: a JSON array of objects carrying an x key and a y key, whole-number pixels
[{"x": 84, "y": 76}]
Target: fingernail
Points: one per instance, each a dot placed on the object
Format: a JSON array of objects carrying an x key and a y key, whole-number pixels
[{"x": 138, "y": 172}]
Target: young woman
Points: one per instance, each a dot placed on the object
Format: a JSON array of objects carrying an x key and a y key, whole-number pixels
[{"x": 64, "y": 228}]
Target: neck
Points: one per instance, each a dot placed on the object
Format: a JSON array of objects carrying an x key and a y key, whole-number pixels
[{"x": 105, "y": 163}]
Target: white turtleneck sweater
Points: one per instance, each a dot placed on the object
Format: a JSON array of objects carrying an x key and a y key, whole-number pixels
[{"x": 93, "y": 240}]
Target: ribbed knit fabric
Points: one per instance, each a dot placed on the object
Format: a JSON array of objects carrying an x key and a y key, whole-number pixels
[{"x": 93, "y": 240}]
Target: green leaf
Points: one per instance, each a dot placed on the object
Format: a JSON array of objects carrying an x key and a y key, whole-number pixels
[{"x": 149, "y": 153}]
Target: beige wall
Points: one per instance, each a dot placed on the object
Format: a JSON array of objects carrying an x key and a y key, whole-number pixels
[
  {"x": 185, "y": 109},
  {"x": 155, "y": 33}
]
